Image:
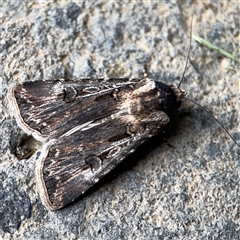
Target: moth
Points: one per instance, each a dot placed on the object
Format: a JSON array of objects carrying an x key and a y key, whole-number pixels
[{"x": 87, "y": 127}]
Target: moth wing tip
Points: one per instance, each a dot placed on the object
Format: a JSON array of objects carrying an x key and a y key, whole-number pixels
[{"x": 41, "y": 186}]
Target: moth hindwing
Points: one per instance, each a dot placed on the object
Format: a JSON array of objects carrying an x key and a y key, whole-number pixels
[{"x": 87, "y": 127}]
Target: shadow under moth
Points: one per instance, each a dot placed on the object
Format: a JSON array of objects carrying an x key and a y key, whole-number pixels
[{"x": 87, "y": 127}]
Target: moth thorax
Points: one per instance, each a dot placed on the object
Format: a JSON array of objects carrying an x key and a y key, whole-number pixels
[{"x": 179, "y": 93}]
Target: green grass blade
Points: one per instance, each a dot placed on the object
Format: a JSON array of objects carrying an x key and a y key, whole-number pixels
[{"x": 210, "y": 45}]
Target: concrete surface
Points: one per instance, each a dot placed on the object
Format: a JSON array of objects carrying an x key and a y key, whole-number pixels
[{"x": 190, "y": 191}]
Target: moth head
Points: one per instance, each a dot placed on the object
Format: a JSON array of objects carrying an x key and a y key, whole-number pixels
[
  {"x": 179, "y": 94},
  {"x": 170, "y": 97}
]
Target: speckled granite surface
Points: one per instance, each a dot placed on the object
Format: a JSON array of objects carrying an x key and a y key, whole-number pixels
[{"x": 190, "y": 191}]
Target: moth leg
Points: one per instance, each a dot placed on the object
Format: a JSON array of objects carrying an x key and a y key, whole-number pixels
[{"x": 168, "y": 144}]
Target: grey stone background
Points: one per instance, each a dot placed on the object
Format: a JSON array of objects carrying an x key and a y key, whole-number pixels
[{"x": 190, "y": 191}]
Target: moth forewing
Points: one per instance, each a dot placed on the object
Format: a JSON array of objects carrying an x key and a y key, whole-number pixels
[
  {"x": 89, "y": 128},
  {"x": 61, "y": 180},
  {"x": 38, "y": 105}
]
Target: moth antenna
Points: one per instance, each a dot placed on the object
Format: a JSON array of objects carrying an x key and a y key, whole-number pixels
[
  {"x": 145, "y": 75},
  {"x": 185, "y": 68},
  {"x": 189, "y": 48},
  {"x": 214, "y": 119}
]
